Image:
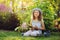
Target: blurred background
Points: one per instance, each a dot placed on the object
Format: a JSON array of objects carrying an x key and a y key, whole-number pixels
[
  {"x": 14, "y": 12},
  {"x": 15, "y": 17}
]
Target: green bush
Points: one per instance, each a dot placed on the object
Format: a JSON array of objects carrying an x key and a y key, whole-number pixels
[
  {"x": 48, "y": 13},
  {"x": 8, "y": 21}
]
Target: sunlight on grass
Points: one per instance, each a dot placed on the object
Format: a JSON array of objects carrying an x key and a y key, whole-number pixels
[
  {"x": 29, "y": 38},
  {"x": 17, "y": 38},
  {"x": 12, "y": 35}
]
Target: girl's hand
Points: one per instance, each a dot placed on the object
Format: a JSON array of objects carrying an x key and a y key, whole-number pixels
[
  {"x": 36, "y": 28},
  {"x": 32, "y": 28}
]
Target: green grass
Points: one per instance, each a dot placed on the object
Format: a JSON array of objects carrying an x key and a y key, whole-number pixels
[{"x": 11, "y": 35}]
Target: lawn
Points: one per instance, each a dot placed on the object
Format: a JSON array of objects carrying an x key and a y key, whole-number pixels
[{"x": 12, "y": 35}]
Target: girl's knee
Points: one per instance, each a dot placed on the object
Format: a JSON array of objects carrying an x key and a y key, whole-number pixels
[
  {"x": 33, "y": 34},
  {"x": 25, "y": 34}
]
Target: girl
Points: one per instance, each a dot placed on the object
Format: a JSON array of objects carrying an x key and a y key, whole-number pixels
[{"x": 37, "y": 24}]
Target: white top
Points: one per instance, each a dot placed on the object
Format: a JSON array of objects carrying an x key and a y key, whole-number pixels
[{"x": 38, "y": 24}]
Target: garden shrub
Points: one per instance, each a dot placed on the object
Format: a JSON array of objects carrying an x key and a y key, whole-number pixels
[
  {"x": 48, "y": 13},
  {"x": 8, "y": 21}
]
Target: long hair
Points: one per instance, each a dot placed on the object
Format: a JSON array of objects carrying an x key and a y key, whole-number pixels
[{"x": 40, "y": 14}]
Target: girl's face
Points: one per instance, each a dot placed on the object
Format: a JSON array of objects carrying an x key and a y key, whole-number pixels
[{"x": 36, "y": 14}]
